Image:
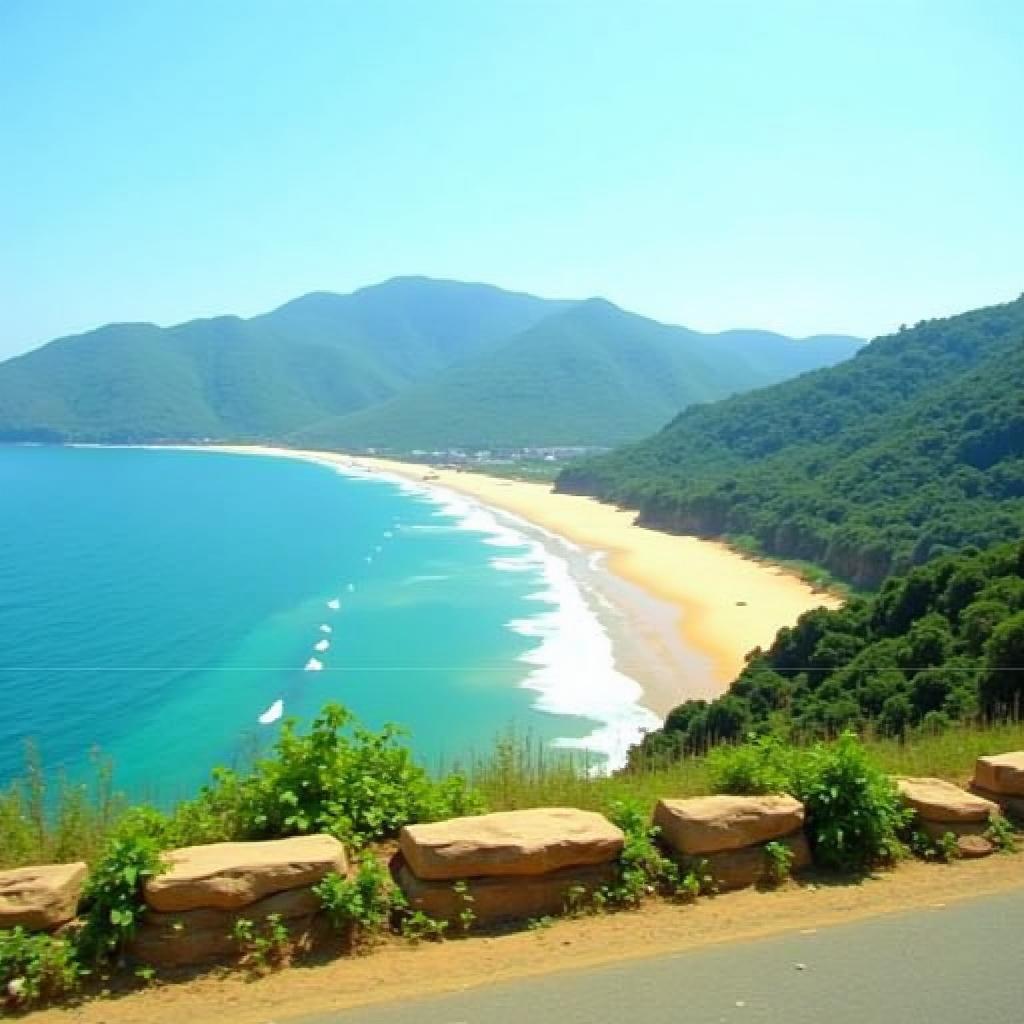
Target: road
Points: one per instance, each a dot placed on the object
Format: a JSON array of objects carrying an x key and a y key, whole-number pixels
[{"x": 954, "y": 965}]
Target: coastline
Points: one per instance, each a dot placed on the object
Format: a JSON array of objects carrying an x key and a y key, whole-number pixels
[{"x": 723, "y": 603}]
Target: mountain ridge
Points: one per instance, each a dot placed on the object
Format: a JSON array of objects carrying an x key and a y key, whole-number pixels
[{"x": 317, "y": 359}]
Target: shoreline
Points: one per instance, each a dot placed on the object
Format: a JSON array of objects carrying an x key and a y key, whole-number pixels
[{"x": 723, "y": 603}]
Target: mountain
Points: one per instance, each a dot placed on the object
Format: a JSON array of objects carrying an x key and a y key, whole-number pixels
[
  {"x": 406, "y": 363},
  {"x": 591, "y": 375},
  {"x": 941, "y": 644},
  {"x": 225, "y": 377},
  {"x": 913, "y": 448}
]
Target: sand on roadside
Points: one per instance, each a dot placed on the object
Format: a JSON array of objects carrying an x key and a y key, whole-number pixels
[{"x": 726, "y": 603}]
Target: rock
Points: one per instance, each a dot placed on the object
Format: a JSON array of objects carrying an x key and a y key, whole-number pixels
[
  {"x": 226, "y": 876},
  {"x": 40, "y": 898},
  {"x": 737, "y": 869},
  {"x": 974, "y": 846},
  {"x": 1001, "y": 773},
  {"x": 1013, "y": 806},
  {"x": 713, "y": 824},
  {"x": 534, "y": 842},
  {"x": 935, "y": 800},
  {"x": 200, "y": 936},
  {"x": 503, "y": 898}
]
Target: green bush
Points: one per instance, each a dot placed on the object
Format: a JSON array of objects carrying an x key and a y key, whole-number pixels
[
  {"x": 340, "y": 778},
  {"x": 35, "y": 968},
  {"x": 764, "y": 765},
  {"x": 360, "y": 905},
  {"x": 643, "y": 869},
  {"x": 854, "y": 813},
  {"x": 778, "y": 862},
  {"x": 113, "y": 895}
]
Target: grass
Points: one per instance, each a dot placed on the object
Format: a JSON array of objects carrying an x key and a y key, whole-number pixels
[{"x": 52, "y": 820}]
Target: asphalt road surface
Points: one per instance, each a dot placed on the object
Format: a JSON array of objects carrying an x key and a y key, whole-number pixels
[{"x": 962, "y": 964}]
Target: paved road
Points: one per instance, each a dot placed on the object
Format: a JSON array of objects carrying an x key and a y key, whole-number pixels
[{"x": 962, "y": 964}]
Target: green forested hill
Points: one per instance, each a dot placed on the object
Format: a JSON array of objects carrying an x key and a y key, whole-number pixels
[
  {"x": 912, "y": 448},
  {"x": 430, "y": 362},
  {"x": 226, "y": 377},
  {"x": 591, "y": 375},
  {"x": 943, "y": 643}
]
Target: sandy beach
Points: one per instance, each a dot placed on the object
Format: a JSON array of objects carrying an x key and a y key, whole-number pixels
[{"x": 725, "y": 603}]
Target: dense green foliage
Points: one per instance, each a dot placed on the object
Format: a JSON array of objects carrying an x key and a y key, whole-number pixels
[
  {"x": 112, "y": 899},
  {"x": 591, "y": 375},
  {"x": 943, "y": 643},
  {"x": 299, "y": 373},
  {"x": 913, "y": 448},
  {"x": 339, "y": 778},
  {"x": 855, "y": 818},
  {"x": 225, "y": 377},
  {"x": 35, "y": 968}
]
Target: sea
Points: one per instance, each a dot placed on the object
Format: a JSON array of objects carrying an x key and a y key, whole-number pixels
[{"x": 167, "y": 610}]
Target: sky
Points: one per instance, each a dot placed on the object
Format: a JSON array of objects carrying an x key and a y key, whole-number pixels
[{"x": 806, "y": 167}]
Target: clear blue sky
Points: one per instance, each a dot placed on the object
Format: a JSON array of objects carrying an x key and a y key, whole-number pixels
[{"x": 815, "y": 166}]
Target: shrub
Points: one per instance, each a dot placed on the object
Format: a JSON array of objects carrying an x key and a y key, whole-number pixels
[
  {"x": 35, "y": 968},
  {"x": 1001, "y": 835},
  {"x": 643, "y": 868},
  {"x": 263, "y": 947},
  {"x": 361, "y": 905},
  {"x": 113, "y": 894},
  {"x": 778, "y": 858},
  {"x": 854, "y": 813},
  {"x": 764, "y": 765},
  {"x": 340, "y": 778}
]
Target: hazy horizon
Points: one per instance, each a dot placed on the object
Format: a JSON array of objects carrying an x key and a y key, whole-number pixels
[{"x": 789, "y": 169}]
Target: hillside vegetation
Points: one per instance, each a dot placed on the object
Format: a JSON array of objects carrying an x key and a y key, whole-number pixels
[
  {"x": 226, "y": 377},
  {"x": 409, "y": 363},
  {"x": 943, "y": 644},
  {"x": 913, "y": 448},
  {"x": 591, "y": 375}
]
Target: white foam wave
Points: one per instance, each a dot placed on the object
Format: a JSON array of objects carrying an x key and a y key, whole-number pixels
[
  {"x": 313, "y": 665},
  {"x": 322, "y": 645},
  {"x": 574, "y": 669},
  {"x": 273, "y": 713},
  {"x": 334, "y": 604},
  {"x": 572, "y": 665},
  {"x": 324, "y": 628}
]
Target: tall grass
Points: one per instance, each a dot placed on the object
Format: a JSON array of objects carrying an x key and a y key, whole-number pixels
[{"x": 46, "y": 819}]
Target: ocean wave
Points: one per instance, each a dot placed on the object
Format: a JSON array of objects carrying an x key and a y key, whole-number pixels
[
  {"x": 572, "y": 667},
  {"x": 273, "y": 713},
  {"x": 313, "y": 665},
  {"x": 573, "y": 664},
  {"x": 425, "y": 578},
  {"x": 322, "y": 645}
]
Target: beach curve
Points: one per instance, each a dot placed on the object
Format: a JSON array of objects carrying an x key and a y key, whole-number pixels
[{"x": 725, "y": 603}]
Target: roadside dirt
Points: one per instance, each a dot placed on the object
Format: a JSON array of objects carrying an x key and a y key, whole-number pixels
[{"x": 395, "y": 970}]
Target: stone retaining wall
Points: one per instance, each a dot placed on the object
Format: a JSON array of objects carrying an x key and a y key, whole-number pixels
[
  {"x": 195, "y": 905},
  {"x": 511, "y": 865},
  {"x": 729, "y": 834},
  {"x": 1000, "y": 778}
]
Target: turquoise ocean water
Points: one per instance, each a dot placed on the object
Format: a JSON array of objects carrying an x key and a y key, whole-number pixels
[{"x": 156, "y": 603}]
